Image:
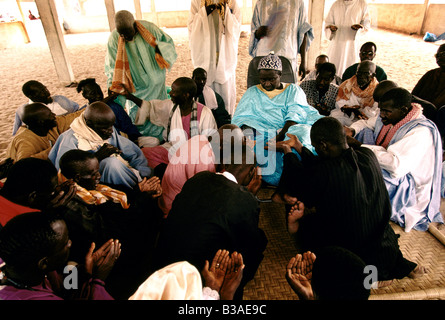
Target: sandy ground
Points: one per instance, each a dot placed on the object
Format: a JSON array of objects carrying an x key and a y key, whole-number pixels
[{"x": 404, "y": 58}]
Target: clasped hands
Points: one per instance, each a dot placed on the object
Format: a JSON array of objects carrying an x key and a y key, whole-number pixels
[
  {"x": 285, "y": 146},
  {"x": 217, "y": 6},
  {"x": 99, "y": 263},
  {"x": 334, "y": 28},
  {"x": 152, "y": 186},
  {"x": 224, "y": 274},
  {"x": 354, "y": 110}
]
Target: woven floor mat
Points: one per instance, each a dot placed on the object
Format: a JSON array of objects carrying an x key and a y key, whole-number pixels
[
  {"x": 424, "y": 249},
  {"x": 270, "y": 283}
]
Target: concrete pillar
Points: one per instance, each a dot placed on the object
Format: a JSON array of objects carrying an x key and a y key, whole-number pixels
[
  {"x": 24, "y": 31},
  {"x": 137, "y": 7},
  {"x": 154, "y": 13},
  {"x": 111, "y": 12},
  {"x": 425, "y": 13},
  {"x": 316, "y": 18},
  {"x": 50, "y": 22}
]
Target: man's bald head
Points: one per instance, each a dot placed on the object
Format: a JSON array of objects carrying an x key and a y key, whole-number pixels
[
  {"x": 369, "y": 65},
  {"x": 125, "y": 24},
  {"x": 39, "y": 118},
  {"x": 123, "y": 18},
  {"x": 383, "y": 87},
  {"x": 100, "y": 117},
  {"x": 365, "y": 73},
  {"x": 33, "y": 111}
]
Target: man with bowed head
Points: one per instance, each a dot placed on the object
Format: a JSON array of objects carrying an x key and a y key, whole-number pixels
[
  {"x": 122, "y": 162},
  {"x": 138, "y": 55}
]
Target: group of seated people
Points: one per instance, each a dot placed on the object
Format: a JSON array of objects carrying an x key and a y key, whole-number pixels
[{"x": 343, "y": 160}]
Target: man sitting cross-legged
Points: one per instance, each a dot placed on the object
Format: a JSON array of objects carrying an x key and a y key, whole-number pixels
[
  {"x": 36, "y": 91},
  {"x": 31, "y": 185},
  {"x": 321, "y": 93},
  {"x": 210, "y": 98},
  {"x": 367, "y": 52},
  {"x": 43, "y": 129},
  {"x": 122, "y": 162},
  {"x": 181, "y": 116},
  {"x": 339, "y": 198},
  {"x": 92, "y": 92},
  {"x": 409, "y": 150},
  {"x": 271, "y": 109},
  {"x": 35, "y": 247},
  {"x": 99, "y": 212},
  {"x": 355, "y": 95}
]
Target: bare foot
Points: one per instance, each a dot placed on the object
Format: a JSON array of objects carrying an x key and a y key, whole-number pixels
[
  {"x": 295, "y": 214},
  {"x": 285, "y": 199},
  {"x": 418, "y": 272}
]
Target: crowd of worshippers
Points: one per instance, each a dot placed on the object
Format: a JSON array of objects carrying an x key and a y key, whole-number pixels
[{"x": 150, "y": 192}]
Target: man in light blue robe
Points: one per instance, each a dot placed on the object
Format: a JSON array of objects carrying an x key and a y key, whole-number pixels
[
  {"x": 148, "y": 78},
  {"x": 122, "y": 162},
  {"x": 281, "y": 27},
  {"x": 271, "y": 109}
]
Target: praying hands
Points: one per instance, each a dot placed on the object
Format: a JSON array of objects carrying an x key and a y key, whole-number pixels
[
  {"x": 151, "y": 186},
  {"x": 299, "y": 275},
  {"x": 224, "y": 274}
]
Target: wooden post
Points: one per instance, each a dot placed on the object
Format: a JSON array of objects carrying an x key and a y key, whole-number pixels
[
  {"x": 50, "y": 22},
  {"x": 111, "y": 12},
  {"x": 154, "y": 13},
  {"x": 24, "y": 31},
  {"x": 425, "y": 13},
  {"x": 137, "y": 7},
  {"x": 315, "y": 17}
]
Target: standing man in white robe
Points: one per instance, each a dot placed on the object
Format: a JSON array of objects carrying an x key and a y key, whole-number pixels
[
  {"x": 346, "y": 20},
  {"x": 281, "y": 26},
  {"x": 214, "y": 30}
]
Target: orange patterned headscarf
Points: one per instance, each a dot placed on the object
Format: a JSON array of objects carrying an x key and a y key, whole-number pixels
[
  {"x": 351, "y": 86},
  {"x": 99, "y": 196},
  {"x": 122, "y": 74}
]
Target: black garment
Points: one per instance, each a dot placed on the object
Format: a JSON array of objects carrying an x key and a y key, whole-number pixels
[
  {"x": 211, "y": 213},
  {"x": 352, "y": 207},
  {"x": 220, "y": 114},
  {"x": 429, "y": 109},
  {"x": 136, "y": 228}
]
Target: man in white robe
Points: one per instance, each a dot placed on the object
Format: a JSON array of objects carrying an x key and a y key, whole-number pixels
[
  {"x": 214, "y": 30},
  {"x": 408, "y": 149},
  {"x": 346, "y": 20},
  {"x": 281, "y": 26},
  {"x": 181, "y": 117}
]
